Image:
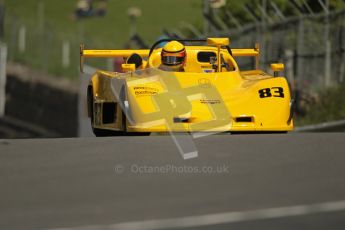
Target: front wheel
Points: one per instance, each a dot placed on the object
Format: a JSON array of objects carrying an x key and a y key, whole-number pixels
[
  {"x": 104, "y": 132},
  {"x": 110, "y": 133}
]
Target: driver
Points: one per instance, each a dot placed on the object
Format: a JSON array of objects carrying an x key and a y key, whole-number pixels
[{"x": 173, "y": 57}]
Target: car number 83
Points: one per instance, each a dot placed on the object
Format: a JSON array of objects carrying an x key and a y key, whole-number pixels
[{"x": 271, "y": 92}]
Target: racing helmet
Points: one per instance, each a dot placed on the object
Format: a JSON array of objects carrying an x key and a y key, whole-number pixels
[{"x": 173, "y": 54}]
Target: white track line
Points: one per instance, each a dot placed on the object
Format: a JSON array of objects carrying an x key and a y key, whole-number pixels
[{"x": 220, "y": 218}]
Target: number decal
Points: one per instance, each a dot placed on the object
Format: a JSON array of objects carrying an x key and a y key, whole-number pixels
[
  {"x": 276, "y": 92},
  {"x": 265, "y": 93}
]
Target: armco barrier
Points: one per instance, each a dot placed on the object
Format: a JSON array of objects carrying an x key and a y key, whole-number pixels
[{"x": 333, "y": 126}]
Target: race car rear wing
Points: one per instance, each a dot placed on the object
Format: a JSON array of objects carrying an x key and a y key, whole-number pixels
[{"x": 85, "y": 53}]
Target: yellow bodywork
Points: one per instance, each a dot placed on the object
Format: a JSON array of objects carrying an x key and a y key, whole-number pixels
[{"x": 203, "y": 98}]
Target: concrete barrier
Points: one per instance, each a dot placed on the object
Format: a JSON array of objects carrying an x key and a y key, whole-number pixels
[
  {"x": 48, "y": 102},
  {"x": 3, "y": 61}
]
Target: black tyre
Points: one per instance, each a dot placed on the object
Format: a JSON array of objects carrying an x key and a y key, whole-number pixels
[{"x": 107, "y": 133}]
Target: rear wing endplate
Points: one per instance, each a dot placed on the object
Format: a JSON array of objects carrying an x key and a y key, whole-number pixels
[{"x": 248, "y": 53}]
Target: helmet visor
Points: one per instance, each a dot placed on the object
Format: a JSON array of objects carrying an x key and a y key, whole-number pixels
[{"x": 172, "y": 60}]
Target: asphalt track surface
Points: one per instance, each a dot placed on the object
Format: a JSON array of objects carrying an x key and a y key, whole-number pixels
[{"x": 292, "y": 181}]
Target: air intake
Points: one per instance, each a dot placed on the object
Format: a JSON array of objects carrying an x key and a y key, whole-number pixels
[
  {"x": 244, "y": 119},
  {"x": 181, "y": 120}
]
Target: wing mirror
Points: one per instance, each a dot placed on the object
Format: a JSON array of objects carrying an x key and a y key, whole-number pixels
[
  {"x": 276, "y": 68},
  {"x": 128, "y": 67}
]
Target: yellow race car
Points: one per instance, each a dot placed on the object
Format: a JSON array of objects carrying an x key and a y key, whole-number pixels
[{"x": 206, "y": 93}]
